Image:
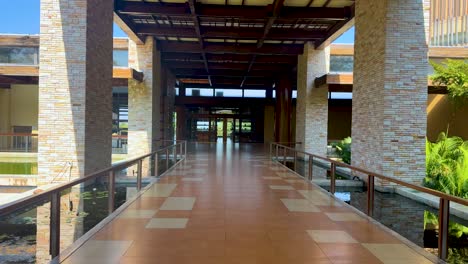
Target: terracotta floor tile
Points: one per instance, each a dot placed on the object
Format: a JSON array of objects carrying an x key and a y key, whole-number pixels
[{"x": 240, "y": 209}]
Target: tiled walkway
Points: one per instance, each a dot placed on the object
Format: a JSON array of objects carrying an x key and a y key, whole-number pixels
[{"x": 227, "y": 205}]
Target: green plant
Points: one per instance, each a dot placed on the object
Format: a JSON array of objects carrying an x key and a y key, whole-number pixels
[
  {"x": 344, "y": 149},
  {"x": 454, "y": 75},
  {"x": 447, "y": 165}
]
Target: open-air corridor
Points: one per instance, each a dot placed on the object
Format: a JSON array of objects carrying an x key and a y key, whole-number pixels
[{"x": 231, "y": 204}]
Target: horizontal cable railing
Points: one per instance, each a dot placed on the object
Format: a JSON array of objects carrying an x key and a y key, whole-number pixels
[
  {"x": 282, "y": 154},
  {"x": 54, "y": 194}
]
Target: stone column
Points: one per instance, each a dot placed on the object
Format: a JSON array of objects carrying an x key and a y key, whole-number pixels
[
  {"x": 312, "y": 102},
  {"x": 144, "y": 98},
  {"x": 75, "y": 87},
  {"x": 283, "y": 110},
  {"x": 390, "y": 88},
  {"x": 75, "y": 104}
]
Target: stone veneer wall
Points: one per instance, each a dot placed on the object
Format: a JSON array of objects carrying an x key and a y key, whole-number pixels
[
  {"x": 75, "y": 87},
  {"x": 75, "y": 103},
  {"x": 390, "y": 88},
  {"x": 312, "y": 103},
  {"x": 144, "y": 98}
]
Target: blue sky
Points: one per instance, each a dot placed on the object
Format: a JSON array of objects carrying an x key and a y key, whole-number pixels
[{"x": 22, "y": 17}]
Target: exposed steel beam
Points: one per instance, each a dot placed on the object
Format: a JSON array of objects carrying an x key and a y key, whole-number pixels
[{"x": 272, "y": 49}]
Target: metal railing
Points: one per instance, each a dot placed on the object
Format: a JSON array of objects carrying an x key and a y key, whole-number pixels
[
  {"x": 18, "y": 142},
  {"x": 179, "y": 150},
  {"x": 283, "y": 153},
  {"x": 119, "y": 144}
]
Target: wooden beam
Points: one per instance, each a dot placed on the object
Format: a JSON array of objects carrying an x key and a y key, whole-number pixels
[
  {"x": 127, "y": 26},
  {"x": 226, "y": 73},
  {"x": 448, "y": 52},
  {"x": 229, "y": 58},
  {"x": 234, "y": 11},
  {"x": 272, "y": 49},
  {"x": 19, "y": 40},
  {"x": 229, "y": 66},
  {"x": 339, "y": 28},
  {"x": 19, "y": 70},
  {"x": 127, "y": 73},
  {"x": 196, "y": 23},
  {"x": 231, "y": 33}
]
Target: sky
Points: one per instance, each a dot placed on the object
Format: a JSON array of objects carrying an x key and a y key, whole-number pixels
[{"x": 23, "y": 18}]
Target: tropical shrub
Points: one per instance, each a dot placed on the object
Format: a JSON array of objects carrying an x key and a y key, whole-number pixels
[
  {"x": 447, "y": 165},
  {"x": 344, "y": 149},
  {"x": 454, "y": 75}
]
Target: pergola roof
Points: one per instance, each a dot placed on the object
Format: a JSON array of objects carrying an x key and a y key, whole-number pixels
[{"x": 234, "y": 42}]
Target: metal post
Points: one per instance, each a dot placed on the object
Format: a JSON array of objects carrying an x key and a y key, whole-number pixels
[
  {"x": 140, "y": 168},
  {"x": 332, "y": 178},
  {"x": 295, "y": 160},
  {"x": 181, "y": 150},
  {"x": 111, "y": 190},
  {"x": 284, "y": 156},
  {"x": 444, "y": 212},
  {"x": 276, "y": 156},
  {"x": 156, "y": 163},
  {"x": 167, "y": 158},
  {"x": 311, "y": 166},
  {"x": 185, "y": 149},
  {"x": 54, "y": 228},
  {"x": 370, "y": 195},
  {"x": 175, "y": 155},
  {"x": 271, "y": 149}
]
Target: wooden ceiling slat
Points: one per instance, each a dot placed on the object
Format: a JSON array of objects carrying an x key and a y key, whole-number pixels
[
  {"x": 231, "y": 33},
  {"x": 249, "y": 12},
  {"x": 273, "y": 49}
]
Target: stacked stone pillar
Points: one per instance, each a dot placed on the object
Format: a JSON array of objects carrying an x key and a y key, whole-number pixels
[
  {"x": 75, "y": 105},
  {"x": 312, "y": 102},
  {"x": 144, "y": 98},
  {"x": 390, "y": 88}
]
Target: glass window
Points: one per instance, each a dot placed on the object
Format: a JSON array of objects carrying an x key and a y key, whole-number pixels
[
  {"x": 294, "y": 94},
  {"x": 274, "y": 93},
  {"x": 203, "y": 125},
  {"x": 341, "y": 63},
  {"x": 177, "y": 91},
  {"x": 198, "y": 92},
  {"x": 334, "y": 95},
  {"x": 19, "y": 55},
  {"x": 228, "y": 93},
  {"x": 255, "y": 93},
  {"x": 120, "y": 58}
]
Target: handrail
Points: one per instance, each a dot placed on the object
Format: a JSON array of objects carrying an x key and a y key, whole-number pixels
[
  {"x": 54, "y": 192},
  {"x": 444, "y": 199}
]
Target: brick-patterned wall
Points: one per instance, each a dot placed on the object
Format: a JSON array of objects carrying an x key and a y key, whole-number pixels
[
  {"x": 390, "y": 88},
  {"x": 312, "y": 103},
  {"x": 75, "y": 87},
  {"x": 75, "y": 99},
  {"x": 143, "y": 98}
]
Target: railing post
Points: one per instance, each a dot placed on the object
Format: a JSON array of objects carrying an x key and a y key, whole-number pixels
[
  {"x": 311, "y": 166},
  {"x": 295, "y": 160},
  {"x": 444, "y": 212},
  {"x": 181, "y": 150},
  {"x": 370, "y": 195},
  {"x": 271, "y": 149},
  {"x": 185, "y": 149},
  {"x": 156, "y": 161},
  {"x": 284, "y": 156},
  {"x": 140, "y": 168},
  {"x": 111, "y": 190},
  {"x": 54, "y": 228},
  {"x": 277, "y": 155},
  {"x": 167, "y": 158},
  {"x": 332, "y": 178}
]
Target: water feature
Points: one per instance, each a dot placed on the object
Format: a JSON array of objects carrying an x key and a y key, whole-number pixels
[
  {"x": 413, "y": 220},
  {"x": 18, "y": 234}
]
